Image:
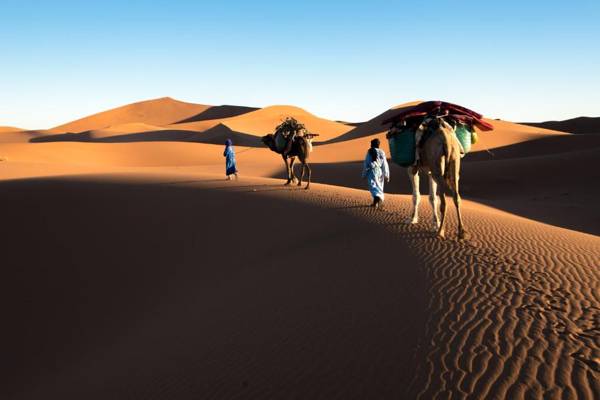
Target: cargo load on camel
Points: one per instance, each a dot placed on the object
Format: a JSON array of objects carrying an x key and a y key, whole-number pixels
[
  {"x": 408, "y": 131},
  {"x": 291, "y": 139},
  {"x": 287, "y": 131}
]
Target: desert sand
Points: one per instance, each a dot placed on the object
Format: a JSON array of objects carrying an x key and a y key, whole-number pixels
[{"x": 134, "y": 270}]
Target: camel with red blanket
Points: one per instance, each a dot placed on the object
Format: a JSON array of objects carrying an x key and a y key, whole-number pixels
[{"x": 439, "y": 156}]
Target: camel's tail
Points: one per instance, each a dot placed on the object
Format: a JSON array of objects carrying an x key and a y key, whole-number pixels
[
  {"x": 450, "y": 166},
  {"x": 446, "y": 149}
]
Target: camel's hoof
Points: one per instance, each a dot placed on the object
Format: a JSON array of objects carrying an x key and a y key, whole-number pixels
[
  {"x": 441, "y": 235},
  {"x": 412, "y": 221},
  {"x": 299, "y": 184},
  {"x": 463, "y": 235},
  {"x": 307, "y": 188},
  {"x": 286, "y": 184}
]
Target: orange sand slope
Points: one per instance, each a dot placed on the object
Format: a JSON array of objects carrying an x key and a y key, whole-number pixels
[
  {"x": 4, "y": 129},
  {"x": 206, "y": 299},
  {"x": 161, "y": 111},
  {"x": 167, "y": 119}
]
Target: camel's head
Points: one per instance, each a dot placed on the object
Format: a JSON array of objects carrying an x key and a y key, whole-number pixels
[{"x": 269, "y": 141}]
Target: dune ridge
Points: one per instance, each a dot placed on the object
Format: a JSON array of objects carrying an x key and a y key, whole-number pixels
[
  {"x": 4, "y": 129},
  {"x": 264, "y": 120},
  {"x": 160, "y": 111}
]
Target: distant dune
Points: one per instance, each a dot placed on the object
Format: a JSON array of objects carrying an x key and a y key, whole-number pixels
[
  {"x": 4, "y": 129},
  {"x": 580, "y": 125},
  {"x": 264, "y": 121},
  {"x": 155, "y": 117},
  {"x": 504, "y": 133},
  {"x": 161, "y": 111},
  {"x": 21, "y": 136}
]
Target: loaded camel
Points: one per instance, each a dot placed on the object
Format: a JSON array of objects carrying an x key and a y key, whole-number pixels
[
  {"x": 440, "y": 161},
  {"x": 438, "y": 154},
  {"x": 291, "y": 140}
]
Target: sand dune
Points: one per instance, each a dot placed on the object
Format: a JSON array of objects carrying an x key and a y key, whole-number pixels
[
  {"x": 580, "y": 125},
  {"x": 373, "y": 126},
  {"x": 161, "y": 111},
  {"x": 264, "y": 121},
  {"x": 135, "y": 271},
  {"x": 22, "y": 136},
  {"x": 511, "y": 314},
  {"x": 155, "y": 115},
  {"x": 5, "y": 129},
  {"x": 504, "y": 133}
]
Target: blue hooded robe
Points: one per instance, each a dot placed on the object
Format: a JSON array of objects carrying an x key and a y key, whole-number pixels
[
  {"x": 229, "y": 154},
  {"x": 376, "y": 171}
]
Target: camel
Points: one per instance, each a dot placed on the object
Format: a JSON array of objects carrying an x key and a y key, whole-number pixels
[
  {"x": 440, "y": 160},
  {"x": 301, "y": 148}
]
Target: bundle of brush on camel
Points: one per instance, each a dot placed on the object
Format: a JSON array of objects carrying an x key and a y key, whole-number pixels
[
  {"x": 291, "y": 140},
  {"x": 431, "y": 138}
]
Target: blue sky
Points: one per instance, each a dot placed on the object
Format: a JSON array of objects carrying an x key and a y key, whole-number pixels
[{"x": 515, "y": 60}]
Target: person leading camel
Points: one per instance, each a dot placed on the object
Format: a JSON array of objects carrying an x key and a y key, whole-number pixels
[{"x": 375, "y": 170}]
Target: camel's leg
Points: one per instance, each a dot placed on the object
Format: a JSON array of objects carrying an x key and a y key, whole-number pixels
[
  {"x": 442, "y": 194},
  {"x": 462, "y": 234},
  {"x": 287, "y": 170},
  {"x": 416, "y": 195},
  {"x": 433, "y": 199},
  {"x": 293, "y": 176},
  {"x": 437, "y": 174},
  {"x": 309, "y": 175},
  {"x": 301, "y": 172}
]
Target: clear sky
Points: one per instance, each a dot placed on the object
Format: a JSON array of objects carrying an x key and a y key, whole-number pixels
[{"x": 348, "y": 60}]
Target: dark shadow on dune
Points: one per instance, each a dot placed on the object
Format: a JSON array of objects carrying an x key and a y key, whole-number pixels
[
  {"x": 219, "y": 133},
  {"x": 134, "y": 290},
  {"x": 215, "y": 135},
  {"x": 537, "y": 147},
  {"x": 218, "y": 112},
  {"x": 579, "y": 125}
]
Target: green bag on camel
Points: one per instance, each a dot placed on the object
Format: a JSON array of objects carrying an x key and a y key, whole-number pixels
[{"x": 402, "y": 147}]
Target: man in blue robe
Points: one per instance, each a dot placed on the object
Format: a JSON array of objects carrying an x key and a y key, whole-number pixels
[
  {"x": 375, "y": 170},
  {"x": 230, "y": 165}
]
